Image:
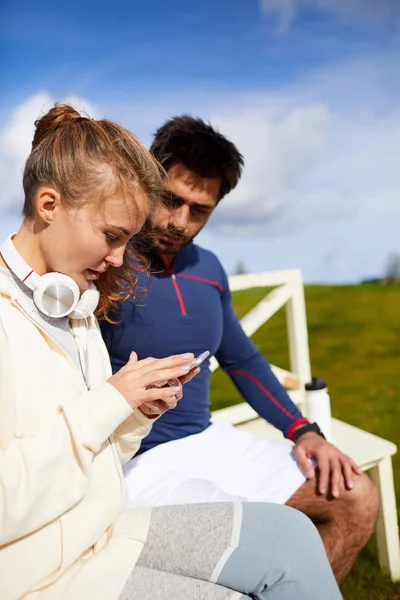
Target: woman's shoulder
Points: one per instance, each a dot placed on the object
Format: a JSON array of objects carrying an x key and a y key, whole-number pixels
[{"x": 8, "y": 284}]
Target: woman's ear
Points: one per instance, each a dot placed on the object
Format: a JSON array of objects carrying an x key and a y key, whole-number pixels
[{"x": 48, "y": 202}]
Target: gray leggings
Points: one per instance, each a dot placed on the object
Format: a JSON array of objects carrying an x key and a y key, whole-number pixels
[{"x": 231, "y": 551}]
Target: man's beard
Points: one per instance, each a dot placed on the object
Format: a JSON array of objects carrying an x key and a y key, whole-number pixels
[{"x": 174, "y": 245}]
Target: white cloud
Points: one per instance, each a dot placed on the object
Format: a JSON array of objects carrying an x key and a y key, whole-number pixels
[
  {"x": 321, "y": 185},
  {"x": 280, "y": 148},
  {"x": 15, "y": 144},
  {"x": 348, "y": 10},
  {"x": 319, "y": 161}
]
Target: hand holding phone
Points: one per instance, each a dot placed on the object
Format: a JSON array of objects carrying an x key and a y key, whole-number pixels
[{"x": 196, "y": 363}]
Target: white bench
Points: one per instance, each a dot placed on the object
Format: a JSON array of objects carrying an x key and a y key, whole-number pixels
[{"x": 372, "y": 453}]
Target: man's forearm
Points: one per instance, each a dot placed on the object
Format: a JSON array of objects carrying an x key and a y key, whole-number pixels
[{"x": 261, "y": 389}]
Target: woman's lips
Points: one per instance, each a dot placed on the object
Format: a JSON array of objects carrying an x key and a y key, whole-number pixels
[{"x": 93, "y": 274}]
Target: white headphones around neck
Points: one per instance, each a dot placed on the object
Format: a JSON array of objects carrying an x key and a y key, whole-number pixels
[{"x": 54, "y": 294}]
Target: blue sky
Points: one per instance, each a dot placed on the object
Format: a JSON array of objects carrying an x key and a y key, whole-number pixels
[{"x": 308, "y": 89}]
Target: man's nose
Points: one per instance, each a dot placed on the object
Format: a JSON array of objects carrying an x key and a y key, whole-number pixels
[{"x": 180, "y": 218}]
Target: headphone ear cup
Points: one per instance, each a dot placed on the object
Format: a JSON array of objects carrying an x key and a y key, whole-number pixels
[
  {"x": 56, "y": 295},
  {"x": 87, "y": 303}
]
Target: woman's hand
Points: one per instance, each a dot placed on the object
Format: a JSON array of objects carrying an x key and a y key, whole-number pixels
[
  {"x": 186, "y": 378},
  {"x": 136, "y": 379},
  {"x": 159, "y": 407}
]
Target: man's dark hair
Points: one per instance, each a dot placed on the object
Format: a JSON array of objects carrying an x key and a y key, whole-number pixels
[{"x": 200, "y": 149}]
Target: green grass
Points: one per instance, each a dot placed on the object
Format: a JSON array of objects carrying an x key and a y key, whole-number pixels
[{"x": 354, "y": 336}]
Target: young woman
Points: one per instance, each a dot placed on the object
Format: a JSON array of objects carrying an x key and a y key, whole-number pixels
[{"x": 67, "y": 425}]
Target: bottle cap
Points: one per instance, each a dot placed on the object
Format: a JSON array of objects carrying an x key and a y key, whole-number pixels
[{"x": 315, "y": 384}]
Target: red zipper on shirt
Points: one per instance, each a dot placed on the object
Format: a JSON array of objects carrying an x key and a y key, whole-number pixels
[
  {"x": 169, "y": 270},
  {"x": 178, "y": 293}
]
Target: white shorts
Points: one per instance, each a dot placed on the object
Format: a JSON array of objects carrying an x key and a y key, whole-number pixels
[{"x": 220, "y": 464}]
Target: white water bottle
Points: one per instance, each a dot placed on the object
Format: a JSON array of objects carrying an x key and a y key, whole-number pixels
[{"x": 318, "y": 406}]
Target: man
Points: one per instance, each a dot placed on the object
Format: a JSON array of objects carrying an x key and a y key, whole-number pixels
[{"x": 188, "y": 308}]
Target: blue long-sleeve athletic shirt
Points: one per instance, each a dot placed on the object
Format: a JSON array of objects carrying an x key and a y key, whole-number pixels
[{"x": 187, "y": 308}]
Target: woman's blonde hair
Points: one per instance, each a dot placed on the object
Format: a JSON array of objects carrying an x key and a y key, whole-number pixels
[{"x": 73, "y": 153}]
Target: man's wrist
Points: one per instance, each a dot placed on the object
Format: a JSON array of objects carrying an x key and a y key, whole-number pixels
[{"x": 306, "y": 428}]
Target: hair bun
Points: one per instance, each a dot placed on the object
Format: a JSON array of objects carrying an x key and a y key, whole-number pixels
[{"x": 48, "y": 124}]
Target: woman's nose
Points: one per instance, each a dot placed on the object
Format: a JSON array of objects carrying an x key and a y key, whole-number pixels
[{"x": 116, "y": 258}]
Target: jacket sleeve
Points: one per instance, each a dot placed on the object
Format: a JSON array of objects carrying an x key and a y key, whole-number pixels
[
  {"x": 128, "y": 436},
  {"x": 45, "y": 474},
  {"x": 252, "y": 374}
]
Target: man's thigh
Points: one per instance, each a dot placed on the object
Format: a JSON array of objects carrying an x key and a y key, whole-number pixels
[
  {"x": 262, "y": 470},
  {"x": 183, "y": 471},
  {"x": 220, "y": 464}
]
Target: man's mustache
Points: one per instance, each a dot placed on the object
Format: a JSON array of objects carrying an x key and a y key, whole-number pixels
[{"x": 170, "y": 232}]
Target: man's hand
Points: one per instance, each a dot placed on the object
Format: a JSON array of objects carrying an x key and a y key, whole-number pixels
[{"x": 332, "y": 464}]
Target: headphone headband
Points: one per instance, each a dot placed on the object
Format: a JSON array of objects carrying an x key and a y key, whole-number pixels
[{"x": 19, "y": 267}]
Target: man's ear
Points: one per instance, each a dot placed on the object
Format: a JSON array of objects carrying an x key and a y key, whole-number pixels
[{"x": 48, "y": 202}]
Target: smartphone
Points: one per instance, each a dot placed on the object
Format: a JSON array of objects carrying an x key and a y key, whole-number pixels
[
  {"x": 196, "y": 363},
  {"x": 199, "y": 359}
]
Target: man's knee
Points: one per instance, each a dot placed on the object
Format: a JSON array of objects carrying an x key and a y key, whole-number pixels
[
  {"x": 359, "y": 505},
  {"x": 363, "y": 498}
]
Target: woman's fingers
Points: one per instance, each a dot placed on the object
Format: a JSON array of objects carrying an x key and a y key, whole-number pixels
[
  {"x": 133, "y": 357},
  {"x": 190, "y": 375},
  {"x": 156, "y": 376},
  {"x": 167, "y": 394},
  {"x": 135, "y": 378},
  {"x": 147, "y": 365},
  {"x": 158, "y": 401},
  {"x": 177, "y": 384}
]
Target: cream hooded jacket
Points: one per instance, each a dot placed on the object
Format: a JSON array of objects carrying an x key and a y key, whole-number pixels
[{"x": 63, "y": 532}]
